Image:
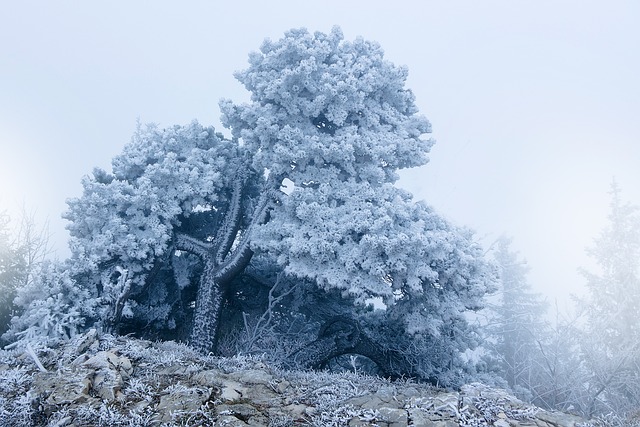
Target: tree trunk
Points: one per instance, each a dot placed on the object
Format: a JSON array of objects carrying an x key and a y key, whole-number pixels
[
  {"x": 204, "y": 332},
  {"x": 222, "y": 263}
]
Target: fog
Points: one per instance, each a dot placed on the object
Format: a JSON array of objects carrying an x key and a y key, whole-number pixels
[{"x": 534, "y": 105}]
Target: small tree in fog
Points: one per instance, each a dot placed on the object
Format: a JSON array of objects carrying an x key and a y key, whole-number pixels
[
  {"x": 23, "y": 248},
  {"x": 611, "y": 343},
  {"x": 11, "y": 271},
  {"x": 519, "y": 322}
]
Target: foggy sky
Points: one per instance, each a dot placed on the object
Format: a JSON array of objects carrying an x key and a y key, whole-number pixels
[{"x": 535, "y": 106}]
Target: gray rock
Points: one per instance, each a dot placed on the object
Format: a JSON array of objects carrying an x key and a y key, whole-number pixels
[
  {"x": 367, "y": 401},
  {"x": 175, "y": 393},
  {"x": 393, "y": 416},
  {"x": 559, "y": 419},
  {"x": 440, "y": 405},
  {"x": 295, "y": 410},
  {"x": 110, "y": 361},
  {"x": 417, "y": 417},
  {"x": 63, "y": 390},
  {"x": 441, "y": 423},
  {"x": 253, "y": 376},
  {"x": 109, "y": 373},
  {"x": 107, "y": 384},
  {"x": 232, "y": 391},
  {"x": 176, "y": 370},
  {"x": 210, "y": 378},
  {"x": 243, "y": 412},
  {"x": 282, "y": 386},
  {"x": 357, "y": 422},
  {"x": 85, "y": 341},
  {"x": 386, "y": 394},
  {"x": 229, "y": 421},
  {"x": 180, "y": 400}
]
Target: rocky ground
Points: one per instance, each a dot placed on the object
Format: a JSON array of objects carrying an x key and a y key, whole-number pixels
[{"x": 117, "y": 381}]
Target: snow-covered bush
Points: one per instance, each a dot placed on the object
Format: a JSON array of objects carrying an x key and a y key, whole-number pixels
[{"x": 54, "y": 307}]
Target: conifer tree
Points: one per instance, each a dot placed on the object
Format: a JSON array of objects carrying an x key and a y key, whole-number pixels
[
  {"x": 519, "y": 323},
  {"x": 168, "y": 239},
  {"x": 611, "y": 342}
]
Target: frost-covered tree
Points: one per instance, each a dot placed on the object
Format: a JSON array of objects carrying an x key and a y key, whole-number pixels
[
  {"x": 335, "y": 119},
  {"x": 188, "y": 222},
  {"x": 558, "y": 376},
  {"x": 177, "y": 198},
  {"x": 611, "y": 343},
  {"x": 518, "y": 325},
  {"x": 11, "y": 272},
  {"x": 23, "y": 249},
  {"x": 52, "y": 307}
]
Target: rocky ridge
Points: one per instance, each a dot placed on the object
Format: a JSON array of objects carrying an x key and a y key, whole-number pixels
[{"x": 102, "y": 380}]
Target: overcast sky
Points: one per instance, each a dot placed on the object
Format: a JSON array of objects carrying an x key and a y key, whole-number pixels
[{"x": 535, "y": 105}]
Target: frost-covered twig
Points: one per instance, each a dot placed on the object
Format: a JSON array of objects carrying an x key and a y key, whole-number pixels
[
  {"x": 35, "y": 358},
  {"x": 263, "y": 324},
  {"x": 124, "y": 286}
]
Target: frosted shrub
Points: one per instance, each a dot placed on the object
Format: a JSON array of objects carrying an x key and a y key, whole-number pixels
[
  {"x": 16, "y": 400},
  {"x": 54, "y": 308}
]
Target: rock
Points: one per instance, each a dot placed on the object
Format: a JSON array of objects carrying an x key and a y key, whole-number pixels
[
  {"x": 229, "y": 421},
  {"x": 441, "y": 405},
  {"x": 357, "y": 422},
  {"x": 106, "y": 384},
  {"x": 232, "y": 390},
  {"x": 209, "y": 377},
  {"x": 441, "y": 423},
  {"x": 245, "y": 413},
  {"x": 142, "y": 405},
  {"x": 242, "y": 411},
  {"x": 394, "y": 417},
  {"x": 366, "y": 401},
  {"x": 65, "y": 391},
  {"x": 177, "y": 370},
  {"x": 253, "y": 376},
  {"x": 179, "y": 400},
  {"x": 80, "y": 360},
  {"x": 282, "y": 386},
  {"x": 96, "y": 387},
  {"x": 295, "y": 410},
  {"x": 559, "y": 419},
  {"x": 386, "y": 394},
  {"x": 418, "y": 417},
  {"x": 85, "y": 341},
  {"x": 109, "y": 373},
  {"x": 110, "y": 360}
]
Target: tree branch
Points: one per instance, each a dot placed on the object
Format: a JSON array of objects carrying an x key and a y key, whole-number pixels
[
  {"x": 231, "y": 223},
  {"x": 187, "y": 243},
  {"x": 241, "y": 257}
]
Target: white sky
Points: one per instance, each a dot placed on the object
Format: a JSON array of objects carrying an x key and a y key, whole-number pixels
[{"x": 535, "y": 104}]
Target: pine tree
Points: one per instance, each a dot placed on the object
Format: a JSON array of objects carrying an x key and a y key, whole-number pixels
[
  {"x": 12, "y": 268},
  {"x": 167, "y": 241},
  {"x": 518, "y": 321},
  {"x": 611, "y": 342}
]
